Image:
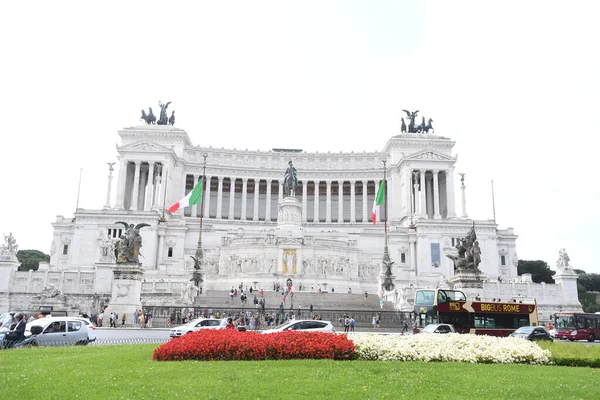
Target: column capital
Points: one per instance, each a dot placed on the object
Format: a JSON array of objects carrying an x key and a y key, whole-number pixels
[
  {"x": 137, "y": 163},
  {"x": 220, "y": 178},
  {"x": 269, "y": 181},
  {"x": 436, "y": 171},
  {"x": 245, "y": 180},
  {"x": 151, "y": 163},
  {"x": 422, "y": 170},
  {"x": 305, "y": 183}
]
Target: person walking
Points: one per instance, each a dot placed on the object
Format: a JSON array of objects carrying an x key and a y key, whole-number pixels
[
  {"x": 123, "y": 319},
  {"x": 404, "y": 326},
  {"x": 352, "y": 322},
  {"x": 346, "y": 325}
]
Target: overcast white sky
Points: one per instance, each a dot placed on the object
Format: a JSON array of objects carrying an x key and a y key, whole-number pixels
[{"x": 515, "y": 83}]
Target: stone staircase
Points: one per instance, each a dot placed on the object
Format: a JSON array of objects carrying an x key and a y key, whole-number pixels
[{"x": 220, "y": 299}]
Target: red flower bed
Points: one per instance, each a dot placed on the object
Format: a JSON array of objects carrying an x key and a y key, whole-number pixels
[{"x": 233, "y": 345}]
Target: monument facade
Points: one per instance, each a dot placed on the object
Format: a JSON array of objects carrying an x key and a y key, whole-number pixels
[{"x": 261, "y": 226}]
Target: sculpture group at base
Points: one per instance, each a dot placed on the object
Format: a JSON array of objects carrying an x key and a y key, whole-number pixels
[
  {"x": 469, "y": 253},
  {"x": 562, "y": 264},
  {"x": 127, "y": 249}
]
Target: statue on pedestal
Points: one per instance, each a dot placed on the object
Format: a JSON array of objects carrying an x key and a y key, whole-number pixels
[
  {"x": 412, "y": 116},
  {"x": 8, "y": 250},
  {"x": 562, "y": 264},
  {"x": 469, "y": 253},
  {"x": 129, "y": 244},
  {"x": 290, "y": 181}
]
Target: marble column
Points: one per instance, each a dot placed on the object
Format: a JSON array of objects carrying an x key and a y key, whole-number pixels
[
  {"x": 268, "y": 205},
  {"x": 316, "y": 205},
  {"x": 422, "y": 197},
  {"x": 220, "y": 198},
  {"x": 244, "y": 198},
  {"x": 352, "y": 202},
  {"x": 380, "y": 214},
  {"x": 436, "y": 195},
  {"x": 340, "y": 202},
  {"x": 280, "y": 196},
  {"x": 183, "y": 194},
  {"x": 195, "y": 207},
  {"x": 135, "y": 193},
  {"x": 450, "y": 193},
  {"x": 149, "y": 187},
  {"x": 304, "y": 199},
  {"x": 107, "y": 203},
  {"x": 231, "y": 198},
  {"x": 328, "y": 203},
  {"x": 157, "y": 185},
  {"x": 256, "y": 199},
  {"x": 121, "y": 185},
  {"x": 464, "y": 199},
  {"x": 207, "y": 197},
  {"x": 365, "y": 185}
]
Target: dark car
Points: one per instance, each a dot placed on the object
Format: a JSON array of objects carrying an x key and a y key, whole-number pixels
[{"x": 532, "y": 333}]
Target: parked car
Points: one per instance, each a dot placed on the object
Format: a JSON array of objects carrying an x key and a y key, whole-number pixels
[
  {"x": 532, "y": 333},
  {"x": 438, "y": 328},
  {"x": 59, "y": 331},
  {"x": 196, "y": 325},
  {"x": 552, "y": 333},
  {"x": 308, "y": 325}
]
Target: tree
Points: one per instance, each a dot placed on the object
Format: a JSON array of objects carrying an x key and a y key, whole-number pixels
[
  {"x": 30, "y": 259},
  {"x": 539, "y": 270}
]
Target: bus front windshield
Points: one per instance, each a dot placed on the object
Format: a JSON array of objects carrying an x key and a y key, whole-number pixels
[
  {"x": 565, "y": 321},
  {"x": 424, "y": 297}
]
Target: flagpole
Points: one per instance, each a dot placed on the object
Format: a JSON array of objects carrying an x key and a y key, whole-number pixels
[
  {"x": 386, "y": 262},
  {"x": 493, "y": 202},
  {"x": 199, "y": 253}
]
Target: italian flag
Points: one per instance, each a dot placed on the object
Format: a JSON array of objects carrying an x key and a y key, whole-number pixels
[
  {"x": 378, "y": 201},
  {"x": 193, "y": 197}
]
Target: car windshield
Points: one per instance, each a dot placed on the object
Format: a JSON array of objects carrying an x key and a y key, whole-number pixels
[
  {"x": 430, "y": 328},
  {"x": 5, "y": 320},
  {"x": 524, "y": 329}
]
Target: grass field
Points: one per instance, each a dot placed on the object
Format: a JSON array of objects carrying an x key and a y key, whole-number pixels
[
  {"x": 128, "y": 371},
  {"x": 572, "y": 350}
]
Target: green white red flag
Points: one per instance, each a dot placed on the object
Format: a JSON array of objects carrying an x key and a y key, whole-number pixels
[
  {"x": 193, "y": 197},
  {"x": 377, "y": 202}
]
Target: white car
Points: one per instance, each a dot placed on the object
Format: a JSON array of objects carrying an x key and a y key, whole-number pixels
[
  {"x": 438, "y": 328},
  {"x": 307, "y": 325},
  {"x": 91, "y": 329},
  {"x": 59, "y": 331},
  {"x": 196, "y": 325}
]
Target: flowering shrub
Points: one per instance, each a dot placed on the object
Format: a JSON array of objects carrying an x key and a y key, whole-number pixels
[
  {"x": 449, "y": 347},
  {"x": 234, "y": 345}
]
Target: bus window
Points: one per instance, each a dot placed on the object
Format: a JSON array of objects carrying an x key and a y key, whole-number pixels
[
  {"x": 442, "y": 297},
  {"x": 565, "y": 321},
  {"x": 424, "y": 297}
]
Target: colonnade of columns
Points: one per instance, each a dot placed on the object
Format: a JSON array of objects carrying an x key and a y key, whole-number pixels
[
  {"x": 432, "y": 193},
  {"x": 139, "y": 185},
  {"x": 343, "y": 201}
]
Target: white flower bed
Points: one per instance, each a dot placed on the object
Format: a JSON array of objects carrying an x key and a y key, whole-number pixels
[{"x": 449, "y": 347}]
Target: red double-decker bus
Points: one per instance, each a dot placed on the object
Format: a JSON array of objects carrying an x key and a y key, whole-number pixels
[
  {"x": 577, "y": 326},
  {"x": 478, "y": 317}
]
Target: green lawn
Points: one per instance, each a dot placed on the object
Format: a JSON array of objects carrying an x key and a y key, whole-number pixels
[
  {"x": 572, "y": 350},
  {"x": 117, "y": 372}
]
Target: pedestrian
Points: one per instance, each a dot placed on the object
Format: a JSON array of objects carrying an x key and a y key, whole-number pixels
[
  {"x": 374, "y": 322},
  {"x": 141, "y": 320},
  {"x": 352, "y": 322},
  {"x": 136, "y": 316},
  {"x": 311, "y": 308},
  {"x": 404, "y": 326},
  {"x": 346, "y": 325},
  {"x": 123, "y": 318}
]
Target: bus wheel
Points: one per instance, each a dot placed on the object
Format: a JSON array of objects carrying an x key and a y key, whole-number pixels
[{"x": 591, "y": 338}]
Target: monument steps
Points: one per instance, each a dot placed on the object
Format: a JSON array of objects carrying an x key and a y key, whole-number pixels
[{"x": 319, "y": 301}]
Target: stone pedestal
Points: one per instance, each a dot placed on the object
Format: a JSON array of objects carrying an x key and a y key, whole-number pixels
[
  {"x": 289, "y": 215},
  {"x": 570, "y": 298},
  {"x": 468, "y": 280},
  {"x": 7, "y": 266},
  {"x": 126, "y": 289}
]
